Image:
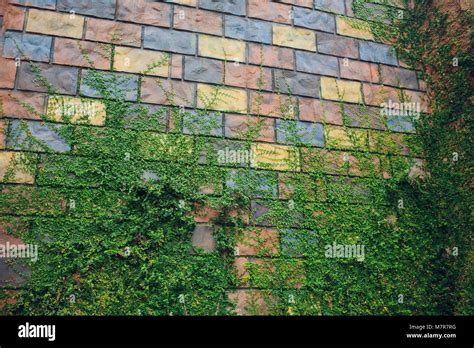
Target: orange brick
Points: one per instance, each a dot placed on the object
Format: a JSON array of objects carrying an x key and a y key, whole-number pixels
[
  {"x": 315, "y": 110},
  {"x": 355, "y": 70},
  {"x": 270, "y": 11},
  {"x": 201, "y": 21},
  {"x": 237, "y": 126},
  {"x": 176, "y": 66},
  {"x": 247, "y": 76},
  {"x": 167, "y": 92},
  {"x": 12, "y": 107},
  {"x": 273, "y": 56},
  {"x": 7, "y": 73},
  {"x": 271, "y": 104},
  {"x": 258, "y": 242},
  {"x": 113, "y": 32},
  {"x": 14, "y": 18}
]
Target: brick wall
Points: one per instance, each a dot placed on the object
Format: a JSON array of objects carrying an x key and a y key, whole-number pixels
[{"x": 309, "y": 46}]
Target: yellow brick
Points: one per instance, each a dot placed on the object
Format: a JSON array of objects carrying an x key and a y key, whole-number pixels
[
  {"x": 77, "y": 110},
  {"x": 294, "y": 37},
  {"x": 19, "y": 174},
  {"x": 184, "y": 2},
  {"x": 140, "y": 61},
  {"x": 276, "y": 157},
  {"x": 216, "y": 47},
  {"x": 222, "y": 98},
  {"x": 341, "y": 138},
  {"x": 333, "y": 89},
  {"x": 54, "y": 23},
  {"x": 354, "y": 28}
]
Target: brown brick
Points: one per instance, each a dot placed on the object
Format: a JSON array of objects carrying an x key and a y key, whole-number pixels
[
  {"x": 355, "y": 70},
  {"x": 376, "y": 94},
  {"x": 329, "y": 162},
  {"x": 257, "y": 242},
  {"x": 177, "y": 92},
  {"x": 237, "y": 126},
  {"x": 247, "y": 76},
  {"x": 81, "y": 53},
  {"x": 145, "y": 12},
  {"x": 12, "y": 107},
  {"x": 201, "y": 21},
  {"x": 103, "y": 30},
  {"x": 3, "y": 129},
  {"x": 271, "y": 104},
  {"x": 270, "y": 11},
  {"x": 278, "y": 57},
  {"x": 302, "y": 3},
  {"x": 13, "y": 18},
  {"x": 203, "y": 213},
  {"x": 176, "y": 66},
  {"x": 7, "y": 73},
  {"x": 315, "y": 110}
]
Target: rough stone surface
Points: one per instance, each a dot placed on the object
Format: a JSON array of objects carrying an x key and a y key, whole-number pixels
[
  {"x": 167, "y": 40},
  {"x": 31, "y": 46},
  {"x": 337, "y": 45},
  {"x": 297, "y": 83},
  {"x": 97, "y": 8},
  {"x": 248, "y": 29},
  {"x": 292, "y": 132},
  {"x": 119, "y": 83},
  {"x": 294, "y": 37},
  {"x": 75, "y": 52},
  {"x": 229, "y": 6},
  {"x": 113, "y": 32},
  {"x": 201, "y": 21},
  {"x": 203, "y": 237},
  {"x": 336, "y": 6},
  {"x": 377, "y": 53},
  {"x": 316, "y": 63},
  {"x": 203, "y": 70},
  {"x": 248, "y": 76},
  {"x": 278, "y": 57},
  {"x": 221, "y": 48},
  {"x": 202, "y": 122},
  {"x": 54, "y": 23},
  {"x": 314, "y": 19},
  {"x": 64, "y": 79},
  {"x": 144, "y": 12}
]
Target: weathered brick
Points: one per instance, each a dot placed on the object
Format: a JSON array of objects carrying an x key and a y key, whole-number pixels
[
  {"x": 294, "y": 37},
  {"x": 270, "y": 11},
  {"x": 297, "y": 83},
  {"x": 81, "y": 53},
  {"x": 249, "y": 302},
  {"x": 118, "y": 85},
  {"x": 203, "y": 238},
  {"x": 238, "y": 126},
  {"x": 316, "y": 63},
  {"x": 258, "y": 242},
  {"x": 203, "y": 70},
  {"x": 97, "y": 8},
  {"x": 176, "y": 66},
  {"x": 353, "y": 27},
  {"x": 144, "y": 12},
  {"x": 377, "y": 53},
  {"x": 336, "y": 6},
  {"x": 136, "y": 60},
  {"x": 400, "y": 124},
  {"x": 31, "y": 46},
  {"x": 76, "y": 110},
  {"x": 355, "y": 70},
  {"x": 399, "y": 77},
  {"x": 113, "y": 32},
  {"x": 178, "y": 93},
  {"x": 197, "y": 20},
  {"x": 276, "y": 157},
  {"x": 303, "y": 3},
  {"x": 272, "y": 104},
  {"x": 376, "y": 94},
  {"x": 314, "y": 20},
  {"x": 11, "y": 102},
  {"x": 297, "y": 132},
  {"x": 46, "y": 137},
  {"x": 216, "y": 47},
  {"x": 50, "y": 4},
  {"x": 229, "y": 6},
  {"x": 315, "y": 110},
  {"x": 202, "y": 122},
  {"x": 54, "y": 23},
  {"x": 333, "y": 89},
  {"x": 64, "y": 79},
  {"x": 345, "y": 138},
  {"x": 248, "y": 76},
  {"x": 248, "y": 29},
  {"x": 222, "y": 98},
  {"x": 13, "y": 18},
  {"x": 7, "y": 73},
  {"x": 169, "y": 40},
  {"x": 337, "y": 45},
  {"x": 273, "y": 56},
  {"x": 19, "y": 174},
  {"x": 184, "y": 2},
  {"x": 363, "y": 116}
]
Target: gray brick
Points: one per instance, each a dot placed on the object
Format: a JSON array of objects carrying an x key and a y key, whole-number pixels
[
  {"x": 118, "y": 84},
  {"x": 297, "y": 132},
  {"x": 236, "y": 7},
  {"x": 337, "y": 45},
  {"x": 64, "y": 79},
  {"x": 143, "y": 116},
  {"x": 399, "y": 77},
  {"x": 377, "y": 53},
  {"x": 259, "y": 212},
  {"x": 316, "y": 63},
  {"x": 297, "y": 83},
  {"x": 203, "y": 237},
  {"x": 314, "y": 19},
  {"x": 363, "y": 116},
  {"x": 400, "y": 124},
  {"x": 203, "y": 70},
  {"x": 36, "y": 3},
  {"x": 46, "y": 136},
  {"x": 248, "y": 29},
  {"x": 202, "y": 122},
  {"x": 336, "y": 6},
  {"x": 97, "y": 8},
  {"x": 168, "y": 40},
  {"x": 33, "y": 47}
]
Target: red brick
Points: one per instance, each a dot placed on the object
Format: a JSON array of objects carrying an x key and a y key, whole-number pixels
[
  {"x": 201, "y": 21},
  {"x": 354, "y": 70},
  {"x": 114, "y": 32},
  {"x": 302, "y": 3},
  {"x": 12, "y": 108},
  {"x": 270, "y": 104},
  {"x": 272, "y": 56},
  {"x": 204, "y": 214},
  {"x": 315, "y": 110},
  {"x": 7, "y": 73},
  {"x": 248, "y": 76},
  {"x": 144, "y": 12},
  {"x": 270, "y": 11},
  {"x": 257, "y": 242},
  {"x": 377, "y": 94},
  {"x": 177, "y": 92},
  {"x": 236, "y": 126},
  {"x": 14, "y": 18},
  {"x": 3, "y": 128},
  {"x": 81, "y": 53},
  {"x": 176, "y": 66}
]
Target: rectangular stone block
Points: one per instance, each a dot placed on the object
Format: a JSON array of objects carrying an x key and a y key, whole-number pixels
[
  {"x": 27, "y": 46},
  {"x": 229, "y": 6},
  {"x": 376, "y": 94},
  {"x": 353, "y": 27},
  {"x": 275, "y": 157},
  {"x": 136, "y": 60},
  {"x": 202, "y": 237},
  {"x": 248, "y": 29},
  {"x": 335, "y": 6},
  {"x": 270, "y": 11},
  {"x": 49, "y": 4},
  {"x": 316, "y": 20},
  {"x": 248, "y": 76},
  {"x": 220, "y": 48},
  {"x": 399, "y": 77},
  {"x": 221, "y": 98},
  {"x": 202, "y": 122},
  {"x": 9, "y": 172},
  {"x": 184, "y": 2},
  {"x": 345, "y": 138},
  {"x": 258, "y": 242},
  {"x": 169, "y": 40},
  {"x": 117, "y": 85},
  {"x": 294, "y": 37},
  {"x": 348, "y": 91},
  {"x": 113, "y": 32},
  {"x": 7, "y": 73},
  {"x": 297, "y": 83},
  {"x": 62, "y": 78},
  {"x": 197, "y": 20},
  {"x": 11, "y": 104},
  {"x": 239, "y": 126},
  {"x": 337, "y": 45},
  {"x": 301, "y": 133},
  {"x": 355, "y": 70},
  {"x": 273, "y": 104},
  {"x": 13, "y": 18},
  {"x": 76, "y": 110},
  {"x": 316, "y": 63},
  {"x": 273, "y": 56},
  {"x": 315, "y": 110},
  {"x": 203, "y": 70},
  {"x": 54, "y": 23},
  {"x": 178, "y": 93},
  {"x": 144, "y": 12},
  {"x": 82, "y": 53},
  {"x": 96, "y": 8},
  {"x": 377, "y": 53}
]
